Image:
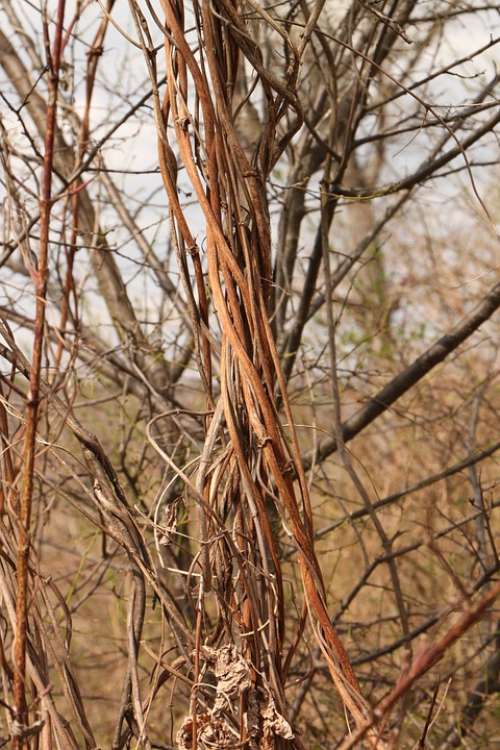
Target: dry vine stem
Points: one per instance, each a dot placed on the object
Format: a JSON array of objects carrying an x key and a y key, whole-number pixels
[
  {"x": 185, "y": 534},
  {"x": 426, "y": 659},
  {"x": 39, "y": 275},
  {"x": 239, "y": 252}
]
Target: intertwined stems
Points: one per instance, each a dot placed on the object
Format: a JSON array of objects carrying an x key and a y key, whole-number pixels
[
  {"x": 243, "y": 486},
  {"x": 40, "y": 275},
  {"x": 227, "y": 185}
]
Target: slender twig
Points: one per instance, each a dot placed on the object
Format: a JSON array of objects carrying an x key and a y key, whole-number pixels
[{"x": 40, "y": 276}]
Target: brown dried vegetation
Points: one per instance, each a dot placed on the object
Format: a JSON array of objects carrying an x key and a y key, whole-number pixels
[{"x": 250, "y": 388}]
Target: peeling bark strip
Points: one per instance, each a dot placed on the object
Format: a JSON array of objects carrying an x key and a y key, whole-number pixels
[
  {"x": 183, "y": 348},
  {"x": 239, "y": 263}
]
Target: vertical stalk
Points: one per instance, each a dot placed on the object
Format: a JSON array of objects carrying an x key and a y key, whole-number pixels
[{"x": 40, "y": 281}]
